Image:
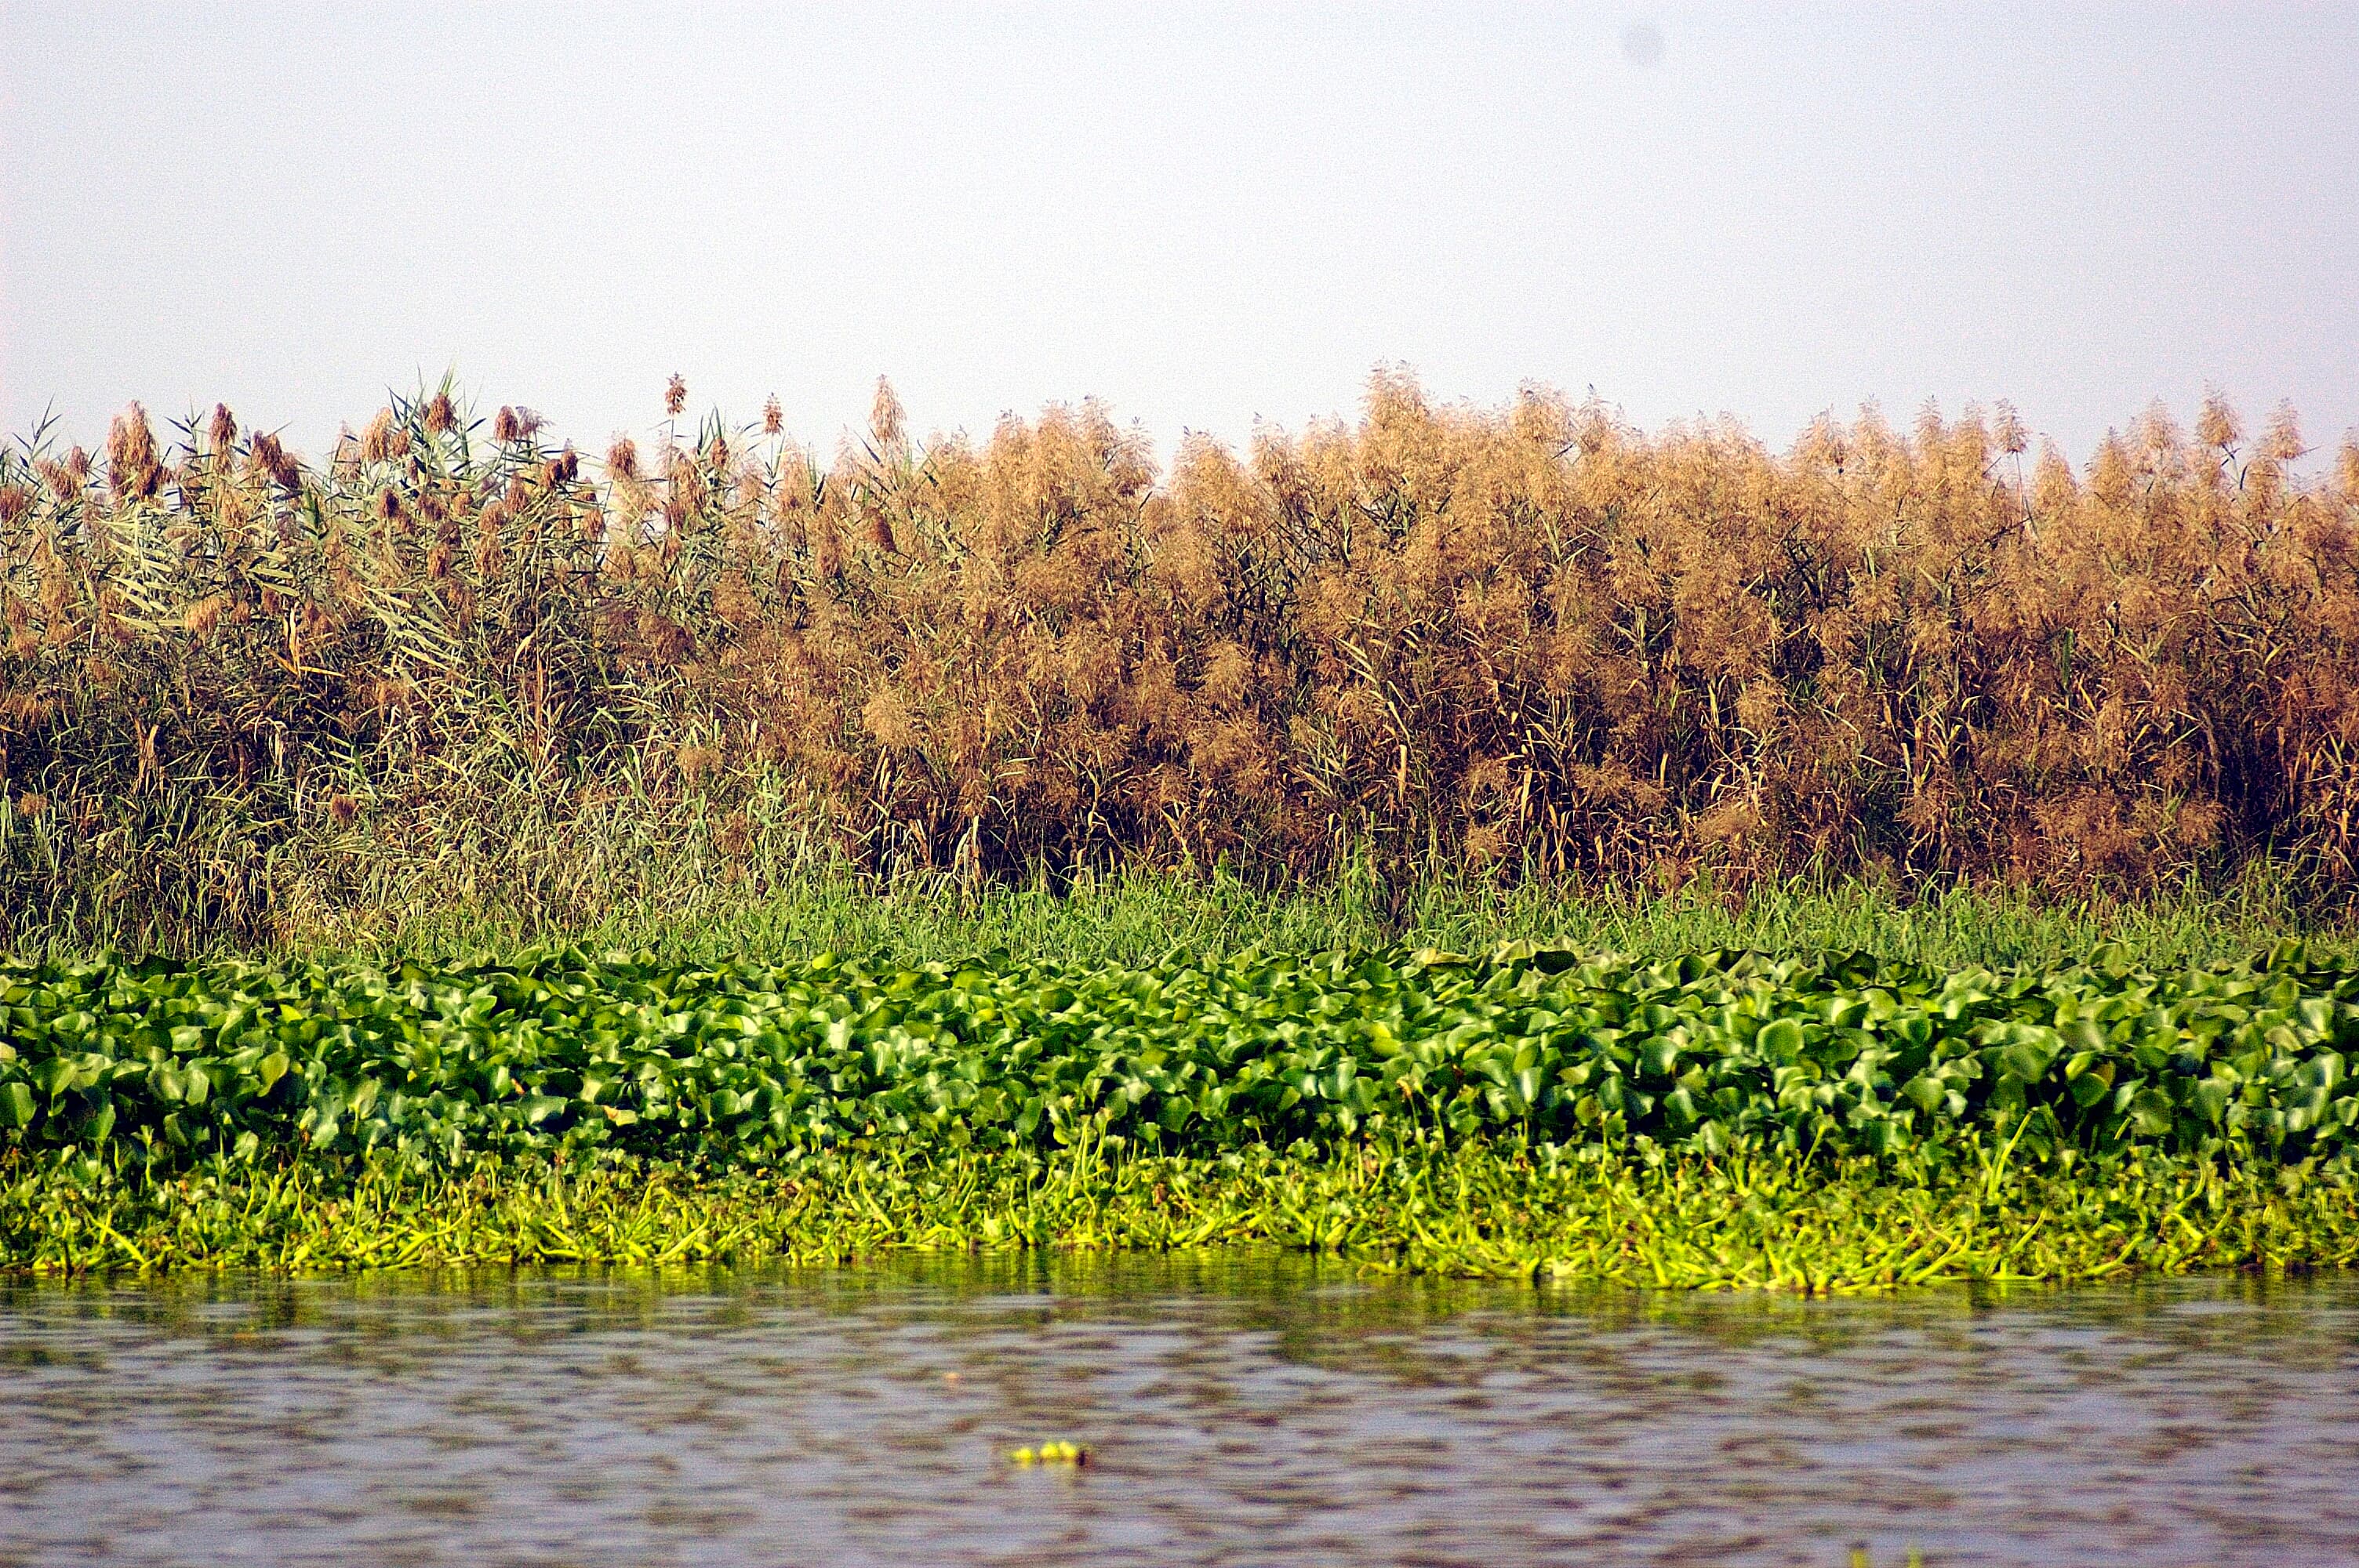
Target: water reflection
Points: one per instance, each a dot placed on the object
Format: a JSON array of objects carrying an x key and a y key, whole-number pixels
[{"x": 1250, "y": 1408}]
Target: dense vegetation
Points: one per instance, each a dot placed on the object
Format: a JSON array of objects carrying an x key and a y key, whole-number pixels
[
  {"x": 246, "y": 699},
  {"x": 215, "y": 1113},
  {"x": 1483, "y": 1208},
  {"x": 495, "y": 801},
  {"x": 1714, "y": 1120},
  {"x": 567, "y": 1054}
]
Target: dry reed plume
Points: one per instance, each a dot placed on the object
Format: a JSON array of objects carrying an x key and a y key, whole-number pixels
[{"x": 233, "y": 689}]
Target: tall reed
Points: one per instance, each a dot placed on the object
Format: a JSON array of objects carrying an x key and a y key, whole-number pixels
[{"x": 245, "y": 697}]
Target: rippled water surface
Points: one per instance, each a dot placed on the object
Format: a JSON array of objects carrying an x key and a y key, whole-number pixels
[{"x": 1244, "y": 1409}]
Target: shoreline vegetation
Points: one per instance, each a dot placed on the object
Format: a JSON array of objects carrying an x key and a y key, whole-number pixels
[
  {"x": 248, "y": 701},
  {"x": 1485, "y": 1212},
  {"x": 1982, "y": 1089},
  {"x": 1902, "y": 858}
]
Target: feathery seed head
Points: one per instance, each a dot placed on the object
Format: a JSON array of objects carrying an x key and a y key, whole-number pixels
[
  {"x": 676, "y": 395},
  {"x": 886, "y": 717},
  {"x": 1822, "y": 445},
  {"x": 1929, "y": 428},
  {"x": 377, "y": 441},
  {"x": 623, "y": 458},
  {"x": 438, "y": 416},
  {"x": 222, "y": 434},
  {"x": 2109, "y": 472},
  {"x": 2013, "y": 439},
  {"x": 133, "y": 470},
  {"x": 886, "y": 415},
  {"x": 2159, "y": 434},
  {"x": 774, "y": 418},
  {"x": 505, "y": 428},
  {"x": 2282, "y": 441},
  {"x": 2052, "y": 485},
  {"x": 264, "y": 455},
  {"x": 2216, "y": 425}
]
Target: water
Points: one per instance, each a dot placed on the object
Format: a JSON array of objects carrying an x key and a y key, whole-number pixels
[{"x": 1238, "y": 1410}]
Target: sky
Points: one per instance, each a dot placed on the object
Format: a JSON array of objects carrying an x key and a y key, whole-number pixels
[{"x": 1206, "y": 216}]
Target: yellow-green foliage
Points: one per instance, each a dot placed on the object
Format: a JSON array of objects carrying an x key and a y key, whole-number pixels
[
  {"x": 238, "y": 695},
  {"x": 1481, "y": 1209}
]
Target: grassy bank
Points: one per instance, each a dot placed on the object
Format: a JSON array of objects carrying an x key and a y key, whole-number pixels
[
  {"x": 685, "y": 910},
  {"x": 1136, "y": 917}
]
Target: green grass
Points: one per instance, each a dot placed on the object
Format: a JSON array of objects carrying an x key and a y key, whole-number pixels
[
  {"x": 500, "y": 879},
  {"x": 1135, "y": 917}
]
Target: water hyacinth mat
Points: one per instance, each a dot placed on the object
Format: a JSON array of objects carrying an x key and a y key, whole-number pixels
[{"x": 1719, "y": 1119}]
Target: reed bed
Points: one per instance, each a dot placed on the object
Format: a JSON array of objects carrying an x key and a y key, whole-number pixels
[{"x": 458, "y": 666}]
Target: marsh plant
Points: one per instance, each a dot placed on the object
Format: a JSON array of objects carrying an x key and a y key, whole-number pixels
[{"x": 460, "y": 663}]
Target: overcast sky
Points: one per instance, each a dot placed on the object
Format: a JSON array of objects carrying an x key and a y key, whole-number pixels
[{"x": 1204, "y": 215}]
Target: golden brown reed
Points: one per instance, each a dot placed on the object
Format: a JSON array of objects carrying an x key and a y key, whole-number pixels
[{"x": 1529, "y": 640}]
